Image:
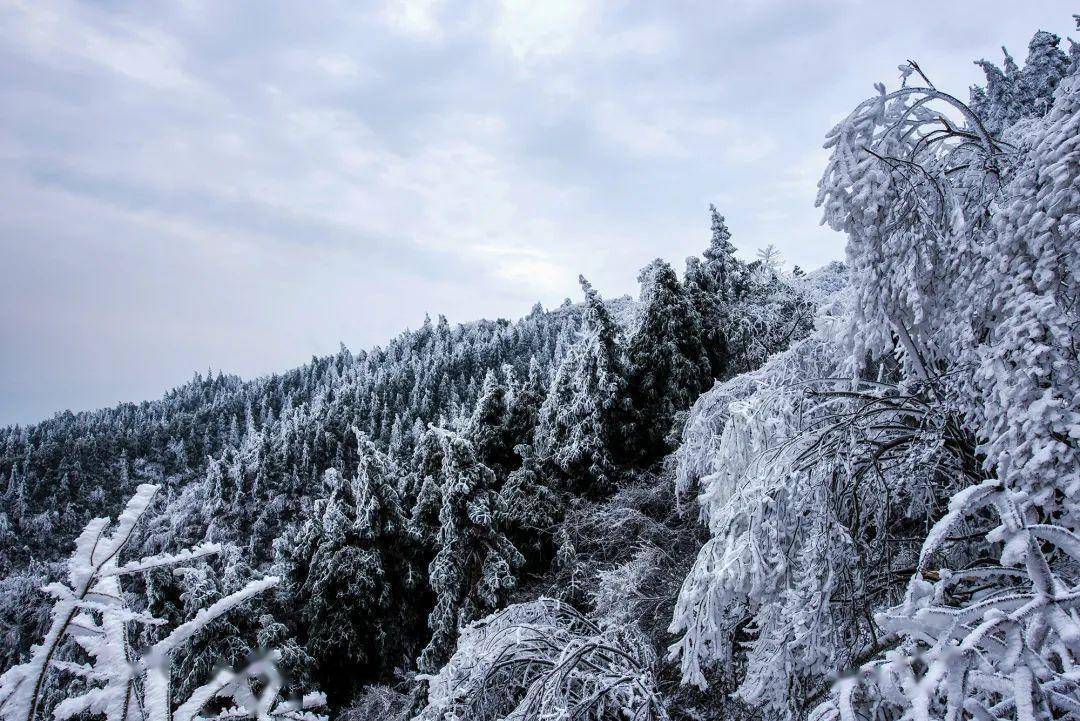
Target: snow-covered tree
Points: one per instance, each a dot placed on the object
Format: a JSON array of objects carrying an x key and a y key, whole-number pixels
[
  {"x": 488, "y": 427},
  {"x": 969, "y": 239},
  {"x": 769, "y": 262},
  {"x": 669, "y": 367},
  {"x": 773, "y": 313},
  {"x": 811, "y": 483},
  {"x": 583, "y": 421},
  {"x": 425, "y": 487},
  {"x": 474, "y": 563},
  {"x": 962, "y": 254},
  {"x": 949, "y": 369},
  {"x": 1014, "y": 93},
  {"x": 350, "y": 572},
  {"x": 532, "y": 506},
  {"x": 726, "y": 271},
  {"x": 714, "y": 286},
  {"x": 525, "y": 403},
  {"x": 748, "y": 311}
]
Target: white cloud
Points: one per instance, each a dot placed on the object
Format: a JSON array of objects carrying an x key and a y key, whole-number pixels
[
  {"x": 528, "y": 267},
  {"x": 637, "y": 135},
  {"x": 419, "y": 18},
  {"x": 667, "y": 129},
  {"x": 532, "y": 30},
  {"x": 343, "y": 67},
  {"x": 648, "y": 39},
  {"x": 60, "y": 33}
]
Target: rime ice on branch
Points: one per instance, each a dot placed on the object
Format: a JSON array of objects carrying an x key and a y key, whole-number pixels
[{"x": 123, "y": 684}]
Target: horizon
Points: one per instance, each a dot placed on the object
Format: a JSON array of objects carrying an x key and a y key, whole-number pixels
[{"x": 194, "y": 186}]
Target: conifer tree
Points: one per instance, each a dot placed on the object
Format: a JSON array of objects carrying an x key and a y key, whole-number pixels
[
  {"x": 425, "y": 493},
  {"x": 720, "y": 261},
  {"x": 474, "y": 564},
  {"x": 714, "y": 286},
  {"x": 350, "y": 569},
  {"x": 532, "y": 506},
  {"x": 524, "y": 408},
  {"x": 487, "y": 429},
  {"x": 583, "y": 420},
  {"x": 669, "y": 367},
  {"x": 1012, "y": 92}
]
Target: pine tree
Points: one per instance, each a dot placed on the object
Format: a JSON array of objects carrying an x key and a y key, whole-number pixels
[
  {"x": 532, "y": 507},
  {"x": 1044, "y": 68},
  {"x": 425, "y": 491},
  {"x": 726, "y": 270},
  {"x": 524, "y": 410},
  {"x": 473, "y": 567},
  {"x": 1012, "y": 93},
  {"x": 714, "y": 286},
  {"x": 669, "y": 367},
  {"x": 487, "y": 429},
  {"x": 350, "y": 570},
  {"x": 583, "y": 420}
]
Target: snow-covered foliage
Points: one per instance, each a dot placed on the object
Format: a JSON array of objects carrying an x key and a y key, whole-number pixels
[
  {"x": 350, "y": 563},
  {"x": 669, "y": 364},
  {"x": 474, "y": 565},
  {"x": 378, "y": 703},
  {"x": 1014, "y": 93},
  {"x": 583, "y": 420},
  {"x": 949, "y": 369},
  {"x": 963, "y": 248},
  {"x": 809, "y": 481},
  {"x": 242, "y": 465},
  {"x": 253, "y": 693},
  {"x": 998, "y": 638},
  {"x": 971, "y": 241},
  {"x": 544, "y": 659},
  {"x": 91, "y": 613}
]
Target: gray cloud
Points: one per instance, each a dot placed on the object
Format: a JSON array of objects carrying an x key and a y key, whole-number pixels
[{"x": 239, "y": 186}]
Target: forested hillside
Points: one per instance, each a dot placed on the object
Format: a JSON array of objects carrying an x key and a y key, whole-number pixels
[{"x": 750, "y": 492}]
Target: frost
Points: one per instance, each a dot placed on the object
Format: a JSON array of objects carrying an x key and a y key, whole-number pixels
[
  {"x": 543, "y": 659},
  {"x": 91, "y": 609}
]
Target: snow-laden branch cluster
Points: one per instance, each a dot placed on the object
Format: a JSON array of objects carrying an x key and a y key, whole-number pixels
[
  {"x": 543, "y": 659},
  {"x": 809, "y": 481},
  {"x": 240, "y": 700},
  {"x": 996, "y": 639},
  {"x": 118, "y": 682},
  {"x": 966, "y": 255}
]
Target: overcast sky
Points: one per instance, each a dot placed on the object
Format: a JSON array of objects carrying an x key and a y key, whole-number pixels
[{"x": 192, "y": 184}]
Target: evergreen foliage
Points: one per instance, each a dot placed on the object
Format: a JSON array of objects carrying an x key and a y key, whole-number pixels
[
  {"x": 668, "y": 363},
  {"x": 584, "y": 420},
  {"x": 474, "y": 564},
  {"x": 352, "y": 573}
]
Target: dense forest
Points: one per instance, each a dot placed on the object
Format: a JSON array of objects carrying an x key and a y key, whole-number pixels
[{"x": 749, "y": 492}]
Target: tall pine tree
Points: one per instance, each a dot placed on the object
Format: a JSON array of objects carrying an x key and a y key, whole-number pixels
[
  {"x": 474, "y": 563},
  {"x": 583, "y": 420},
  {"x": 669, "y": 367},
  {"x": 351, "y": 573},
  {"x": 714, "y": 286}
]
